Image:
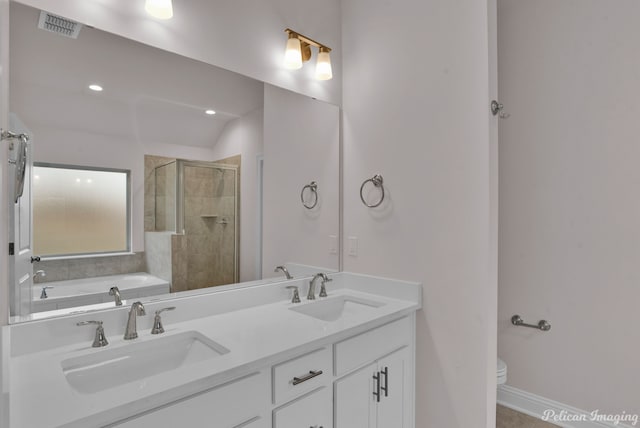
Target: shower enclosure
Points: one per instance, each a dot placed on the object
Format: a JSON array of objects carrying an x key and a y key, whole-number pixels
[{"x": 199, "y": 202}]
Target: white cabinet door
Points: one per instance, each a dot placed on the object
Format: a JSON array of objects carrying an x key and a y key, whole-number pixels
[
  {"x": 228, "y": 406},
  {"x": 355, "y": 403},
  {"x": 394, "y": 408},
  {"x": 311, "y": 411}
]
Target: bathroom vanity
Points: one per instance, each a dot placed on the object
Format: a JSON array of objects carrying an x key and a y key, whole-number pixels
[{"x": 241, "y": 357}]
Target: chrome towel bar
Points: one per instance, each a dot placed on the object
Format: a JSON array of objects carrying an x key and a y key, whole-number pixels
[{"x": 542, "y": 324}]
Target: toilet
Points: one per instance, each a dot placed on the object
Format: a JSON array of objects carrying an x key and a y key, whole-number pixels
[{"x": 501, "y": 372}]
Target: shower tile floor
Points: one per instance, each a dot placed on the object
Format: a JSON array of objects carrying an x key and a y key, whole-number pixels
[{"x": 507, "y": 418}]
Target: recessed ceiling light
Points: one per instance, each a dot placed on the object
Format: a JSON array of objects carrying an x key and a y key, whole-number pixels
[
  {"x": 210, "y": 112},
  {"x": 96, "y": 88}
]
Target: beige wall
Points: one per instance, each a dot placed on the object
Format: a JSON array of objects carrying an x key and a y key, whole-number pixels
[
  {"x": 569, "y": 204},
  {"x": 415, "y": 101}
]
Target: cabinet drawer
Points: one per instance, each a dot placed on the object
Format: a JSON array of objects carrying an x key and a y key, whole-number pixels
[
  {"x": 301, "y": 375},
  {"x": 371, "y": 345},
  {"x": 314, "y": 410},
  {"x": 229, "y": 405}
]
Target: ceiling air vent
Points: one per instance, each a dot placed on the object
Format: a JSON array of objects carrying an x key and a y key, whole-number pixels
[{"x": 59, "y": 25}]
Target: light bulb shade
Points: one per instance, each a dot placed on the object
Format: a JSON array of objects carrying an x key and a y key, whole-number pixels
[
  {"x": 161, "y": 9},
  {"x": 293, "y": 54},
  {"x": 323, "y": 66}
]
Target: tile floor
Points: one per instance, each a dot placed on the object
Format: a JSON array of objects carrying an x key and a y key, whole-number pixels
[{"x": 507, "y": 418}]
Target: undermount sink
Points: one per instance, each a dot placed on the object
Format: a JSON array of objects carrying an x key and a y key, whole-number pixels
[
  {"x": 335, "y": 308},
  {"x": 110, "y": 368}
]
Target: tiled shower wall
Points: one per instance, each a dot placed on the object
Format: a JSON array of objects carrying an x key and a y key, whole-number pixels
[
  {"x": 204, "y": 255},
  {"x": 90, "y": 267}
]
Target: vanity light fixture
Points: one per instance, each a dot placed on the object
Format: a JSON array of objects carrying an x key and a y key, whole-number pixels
[
  {"x": 299, "y": 50},
  {"x": 210, "y": 112},
  {"x": 96, "y": 88},
  {"x": 161, "y": 9}
]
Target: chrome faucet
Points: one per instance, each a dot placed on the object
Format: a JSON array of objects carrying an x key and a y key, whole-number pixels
[
  {"x": 283, "y": 269},
  {"x": 312, "y": 286},
  {"x": 132, "y": 332},
  {"x": 115, "y": 292},
  {"x": 39, "y": 274}
]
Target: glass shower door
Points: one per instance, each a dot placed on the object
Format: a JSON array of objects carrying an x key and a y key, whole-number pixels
[{"x": 209, "y": 217}]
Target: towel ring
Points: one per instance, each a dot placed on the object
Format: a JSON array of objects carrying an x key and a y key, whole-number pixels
[
  {"x": 313, "y": 188},
  {"x": 376, "y": 180}
]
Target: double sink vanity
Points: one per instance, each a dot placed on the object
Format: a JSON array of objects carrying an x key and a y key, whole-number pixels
[{"x": 237, "y": 357}]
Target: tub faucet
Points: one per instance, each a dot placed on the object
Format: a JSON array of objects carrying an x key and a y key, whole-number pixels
[
  {"x": 312, "y": 286},
  {"x": 132, "y": 332},
  {"x": 39, "y": 274},
  {"x": 283, "y": 269},
  {"x": 115, "y": 292}
]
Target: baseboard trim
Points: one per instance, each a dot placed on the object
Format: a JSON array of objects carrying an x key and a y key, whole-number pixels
[{"x": 534, "y": 405}]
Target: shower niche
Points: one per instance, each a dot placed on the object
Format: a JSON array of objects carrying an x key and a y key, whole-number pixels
[{"x": 191, "y": 221}]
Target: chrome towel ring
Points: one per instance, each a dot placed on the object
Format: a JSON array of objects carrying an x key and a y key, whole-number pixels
[
  {"x": 313, "y": 188},
  {"x": 376, "y": 180}
]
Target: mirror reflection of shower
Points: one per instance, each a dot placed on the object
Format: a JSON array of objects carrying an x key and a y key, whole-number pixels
[{"x": 197, "y": 203}]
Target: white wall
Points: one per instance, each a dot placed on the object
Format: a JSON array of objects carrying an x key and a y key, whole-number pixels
[
  {"x": 244, "y": 137},
  {"x": 301, "y": 144},
  {"x": 569, "y": 205},
  {"x": 243, "y": 36},
  {"x": 4, "y": 156},
  {"x": 415, "y": 99}
]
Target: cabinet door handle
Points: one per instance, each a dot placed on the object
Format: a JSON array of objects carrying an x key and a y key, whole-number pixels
[
  {"x": 310, "y": 375},
  {"x": 376, "y": 392},
  {"x": 385, "y": 388}
]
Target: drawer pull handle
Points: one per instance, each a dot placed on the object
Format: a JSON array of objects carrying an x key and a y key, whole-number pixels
[
  {"x": 311, "y": 375},
  {"x": 376, "y": 393},
  {"x": 385, "y": 388}
]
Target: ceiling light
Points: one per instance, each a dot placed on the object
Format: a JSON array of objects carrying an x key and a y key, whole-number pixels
[
  {"x": 96, "y": 88},
  {"x": 161, "y": 9},
  {"x": 210, "y": 112},
  {"x": 299, "y": 50}
]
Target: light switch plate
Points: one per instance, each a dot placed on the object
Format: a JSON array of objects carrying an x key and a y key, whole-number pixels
[
  {"x": 333, "y": 244},
  {"x": 352, "y": 246}
]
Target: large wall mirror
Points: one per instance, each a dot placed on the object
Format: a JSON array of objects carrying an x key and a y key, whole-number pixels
[{"x": 158, "y": 174}]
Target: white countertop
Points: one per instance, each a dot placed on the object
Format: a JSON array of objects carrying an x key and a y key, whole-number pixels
[{"x": 256, "y": 336}]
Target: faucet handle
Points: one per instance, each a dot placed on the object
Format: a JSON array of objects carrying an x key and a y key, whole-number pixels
[
  {"x": 296, "y": 294},
  {"x": 323, "y": 288},
  {"x": 157, "y": 321},
  {"x": 100, "y": 339},
  {"x": 43, "y": 294}
]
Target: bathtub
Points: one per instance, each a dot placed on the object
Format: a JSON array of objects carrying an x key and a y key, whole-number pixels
[{"x": 91, "y": 291}]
